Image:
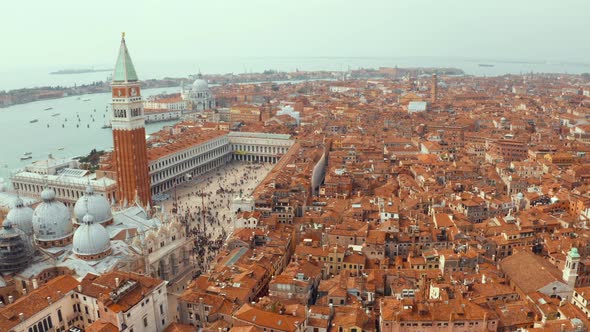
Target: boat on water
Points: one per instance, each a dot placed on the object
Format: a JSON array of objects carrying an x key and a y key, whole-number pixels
[
  {"x": 56, "y": 114},
  {"x": 60, "y": 149},
  {"x": 26, "y": 158},
  {"x": 485, "y": 65},
  {"x": 106, "y": 126},
  {"x": 33, "y": 121},
  {"x": 86, "y": 100},
  {"x": 48, "y": 108},
  {"x": 28, "y": 153}
]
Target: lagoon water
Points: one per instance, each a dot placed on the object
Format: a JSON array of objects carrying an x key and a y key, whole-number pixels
[{"x": 76, "y": 137}]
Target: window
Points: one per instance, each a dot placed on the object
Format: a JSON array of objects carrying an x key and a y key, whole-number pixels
[
  {"x": 59, "y": 317},
  {"x": 145, "y": 321},
  {"x": 161, "y": 309}
]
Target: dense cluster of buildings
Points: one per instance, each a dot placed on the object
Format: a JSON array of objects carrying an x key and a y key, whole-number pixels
[{"x": 412, "y": 203}]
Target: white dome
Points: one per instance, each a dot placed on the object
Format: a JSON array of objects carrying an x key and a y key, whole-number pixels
[
  {"x": 94, "y": 204},
  {"x": 48, "y": 194},
  {"x": 21, "y": 217},
  {"x": 200, "y": 85},
  {"x": 91, "y": 238},
  {"x": 17, "y": 249},
  {"x": 8, "y": 230},
  {"x": 51, "y": 218}
]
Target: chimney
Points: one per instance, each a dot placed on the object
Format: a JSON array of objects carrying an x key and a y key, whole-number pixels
[
  {"x": 117, "y": 282},
  {"x": 483, "y": 278},
  {"x": 21, "y": 317},
  {"x": 49, "y": 299},
  {"x": 35, "y": 284},
  {"x": 10, "y": 299},
  {"x": 80, "y": 288}
]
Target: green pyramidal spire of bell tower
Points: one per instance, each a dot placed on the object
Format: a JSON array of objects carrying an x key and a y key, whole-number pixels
[{"x": 124, "y": 69}]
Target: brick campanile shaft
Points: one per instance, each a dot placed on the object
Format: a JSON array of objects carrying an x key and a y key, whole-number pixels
[{"x": 128, "y": 121}]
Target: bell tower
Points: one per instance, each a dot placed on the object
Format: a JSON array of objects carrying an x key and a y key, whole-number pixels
[
  {"x": 570, "y": 270},
  {"x": 128, "y": 122}
]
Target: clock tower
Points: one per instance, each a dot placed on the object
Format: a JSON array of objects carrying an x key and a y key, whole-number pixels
[{"x": 128, "y": 122}]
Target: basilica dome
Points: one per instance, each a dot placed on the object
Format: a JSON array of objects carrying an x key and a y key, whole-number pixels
[
  {"x": 17, "y": 251},
  {"x": 51, "y": 218},
  {"x": 91, "y": 239},
  {"x": 21, "y": 217},
  {"x": 200, "y": 85},
  {"x": 94, "y": 204}
]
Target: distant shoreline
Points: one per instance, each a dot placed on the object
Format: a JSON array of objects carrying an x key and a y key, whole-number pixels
[
  {"x": 27, "y": 95},
  {"x": 78, "y": 71}
]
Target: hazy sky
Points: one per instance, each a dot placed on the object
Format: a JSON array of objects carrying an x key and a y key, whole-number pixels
[{"x": 71, "y": 32}]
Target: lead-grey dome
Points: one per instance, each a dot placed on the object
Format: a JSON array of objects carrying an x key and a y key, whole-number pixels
[
  {"x": 16, "y": 250},
  {"x": 21, "y": 217},
  {"x": 48, "y": 194},
  {"x": 51, "y": 218},
  {"x": 200, "y": 85},
  {"x": 94, "y": 204},
  {"x": 91, "y": 238}
]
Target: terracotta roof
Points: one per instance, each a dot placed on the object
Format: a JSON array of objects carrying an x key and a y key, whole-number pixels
[
  {"x": 169, "y": 141},
  {"x": 100, "y": 326},
  {"x": 100, "y": 287},
  {"x": 178, "y": 327},
  {"x": 518, "y": 268},
  {"x": 259, "y": 317},
  {"x": 36, "y": 301}
]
